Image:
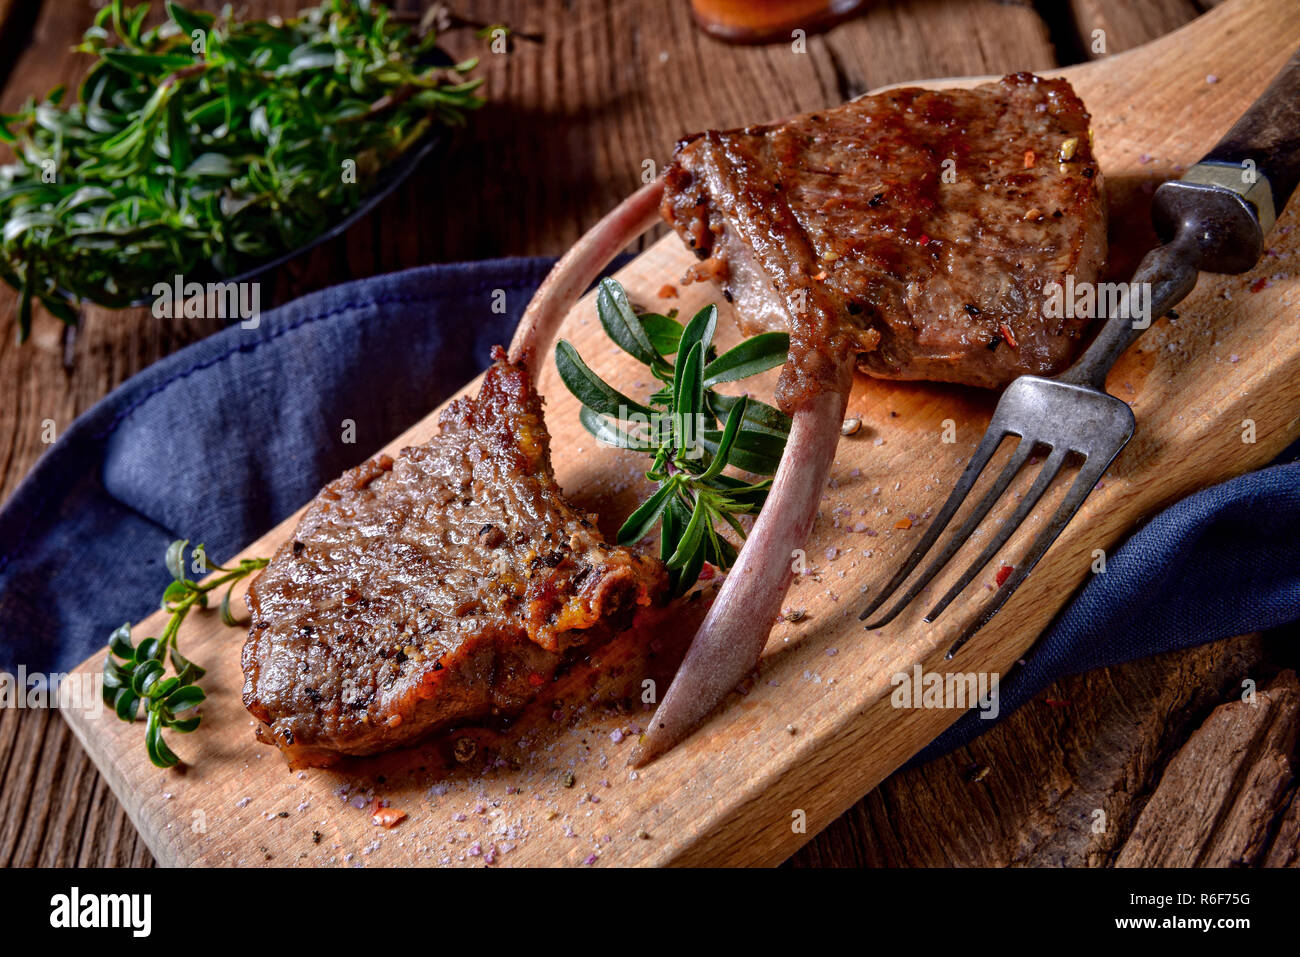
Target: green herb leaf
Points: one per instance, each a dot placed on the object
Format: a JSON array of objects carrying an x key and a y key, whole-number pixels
[
  {"x": 700, "y": 329},
  {"x": 175, "y": 559},
  {"x": 185, "y": 669},
  {"x": 621, "y": 324},
  {"x": 721, "y": 456},
  {"x": 143, "y": 678},
  {"x": 227, "y": 618},
  {"x": 159, "y": 754},
  {"x": 190, "y": 696},
  {"x": 695, "y": 494},
  {"x": 127, "y": 705},
  {"x": 665, "y": 334},
  {"x": 757, "y": 414},
  {"x": 208, "y": 159},
  {"x": 119, "y": 642},
  {"x": 767, "y": 350},
  {"x": 689, "y": 397},
  {"x": 691, "y": 535},
  {"x": 591, "y": 390},
  {"x": 643, "y": 520},
  {"x": 752, "y": 450},
  {"x": 601, "y": 429}
]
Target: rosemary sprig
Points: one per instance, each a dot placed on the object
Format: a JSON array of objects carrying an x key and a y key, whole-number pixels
[
  {"x": 136, "y": 675},
  {"x": 204, "y": 146},
  {"x": 692, "y": 432}
]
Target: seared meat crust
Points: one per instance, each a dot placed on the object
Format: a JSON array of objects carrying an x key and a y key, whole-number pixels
[
  {"x": 916, "y": 228},
  {"x": 435, "y": 588}
]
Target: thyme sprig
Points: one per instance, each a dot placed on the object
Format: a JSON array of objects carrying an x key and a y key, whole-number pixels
[
  {"x": 204, "y": 145},
  {"x": 691, "y": 431},
  {"x": 136, "y": 675}
]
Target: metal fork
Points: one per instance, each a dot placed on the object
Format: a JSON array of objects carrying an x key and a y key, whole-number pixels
[{"x": 1214, "y": 219}]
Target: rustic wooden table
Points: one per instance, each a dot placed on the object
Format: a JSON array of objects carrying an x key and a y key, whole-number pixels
[{"x": 1179, "y": 771}]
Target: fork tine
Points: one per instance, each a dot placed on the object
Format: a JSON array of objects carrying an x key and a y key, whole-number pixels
[
  {"x": 1084, "y": 483},
  {"x": 959, "y": 537},
  {"x": 983, "y": 452},
  {"x": 1048, "y": 472}
]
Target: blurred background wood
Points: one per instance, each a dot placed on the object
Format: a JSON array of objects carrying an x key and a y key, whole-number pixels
[{"x": 569, "y": 125}]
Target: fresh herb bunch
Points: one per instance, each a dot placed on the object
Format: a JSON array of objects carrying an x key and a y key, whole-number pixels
[
  {"x": 205, "y": 145},
  {"x": 136, "y": 674},
  {"x": 692, "y": 432}
]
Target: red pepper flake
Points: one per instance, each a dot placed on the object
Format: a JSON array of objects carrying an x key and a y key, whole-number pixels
[
  {"x": 1003, "y": 574},
  {"x": 903, "y": 523},
  {"x": 924, "y": 240},
  {"x": 1030, "y": 159},
  {"x": 535, "y": 679},
  {"x": 386, "y": 816},
  {"x": 1259, "y": 284},
  {"x": 706, "y": 571},
  {"x": 1006, "y": 334},
  {"x": 667, "y": 291}
]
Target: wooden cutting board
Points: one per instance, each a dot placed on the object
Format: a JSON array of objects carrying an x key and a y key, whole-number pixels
[{"x": 816, "y": 730}]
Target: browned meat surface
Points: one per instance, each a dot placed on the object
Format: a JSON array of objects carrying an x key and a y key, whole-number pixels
[
  {"x": 435, "y": 588},
  {"x": 842, "y": 227}
]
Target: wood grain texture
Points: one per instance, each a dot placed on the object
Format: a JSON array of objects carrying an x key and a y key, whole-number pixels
[
  {"x": 1067, "y": 743},
  {"x": 728, "y": 794},
  {"x": 1123, "y": 25},
  {"x": 1225, "y": 790},
  {"x": 578, "y": 90},
  {"x": 1101, "y": 740},
  {"x": 1029, "y": 792}
]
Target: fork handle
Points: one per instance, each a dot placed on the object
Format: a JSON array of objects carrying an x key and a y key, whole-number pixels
[
  {"x": 1166, "y": 276},
  {"x": 1225, "y": 205},
  {"x": 1268, "y": 136}
]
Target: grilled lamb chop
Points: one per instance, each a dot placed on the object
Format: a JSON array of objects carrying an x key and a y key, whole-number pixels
[
  {"x": 924, "y": 278},
  {"x": 434, "y": 588},
  {"x": 841, "y": 227}
]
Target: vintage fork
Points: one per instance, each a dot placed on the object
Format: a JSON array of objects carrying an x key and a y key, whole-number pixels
[{"x": 1214, "y": 219}]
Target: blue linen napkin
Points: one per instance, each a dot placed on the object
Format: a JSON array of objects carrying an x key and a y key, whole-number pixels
[{"x": 220, "y": 441}]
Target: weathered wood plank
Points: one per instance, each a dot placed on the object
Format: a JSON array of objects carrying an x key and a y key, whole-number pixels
[
  {"x": 1023, "y": 752},
  {"x": 567, "y": 128},
  {"x": 1124, "y": 25},
  {"x": 846, "y": 60},
  {"x": 727, "y": 794},
  {"x": 1058, "y": 784},
  {"x": 1219, "y": 800}
]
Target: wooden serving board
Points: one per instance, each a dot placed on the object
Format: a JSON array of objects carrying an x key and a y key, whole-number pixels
[{"x": 816, "y": 730}]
